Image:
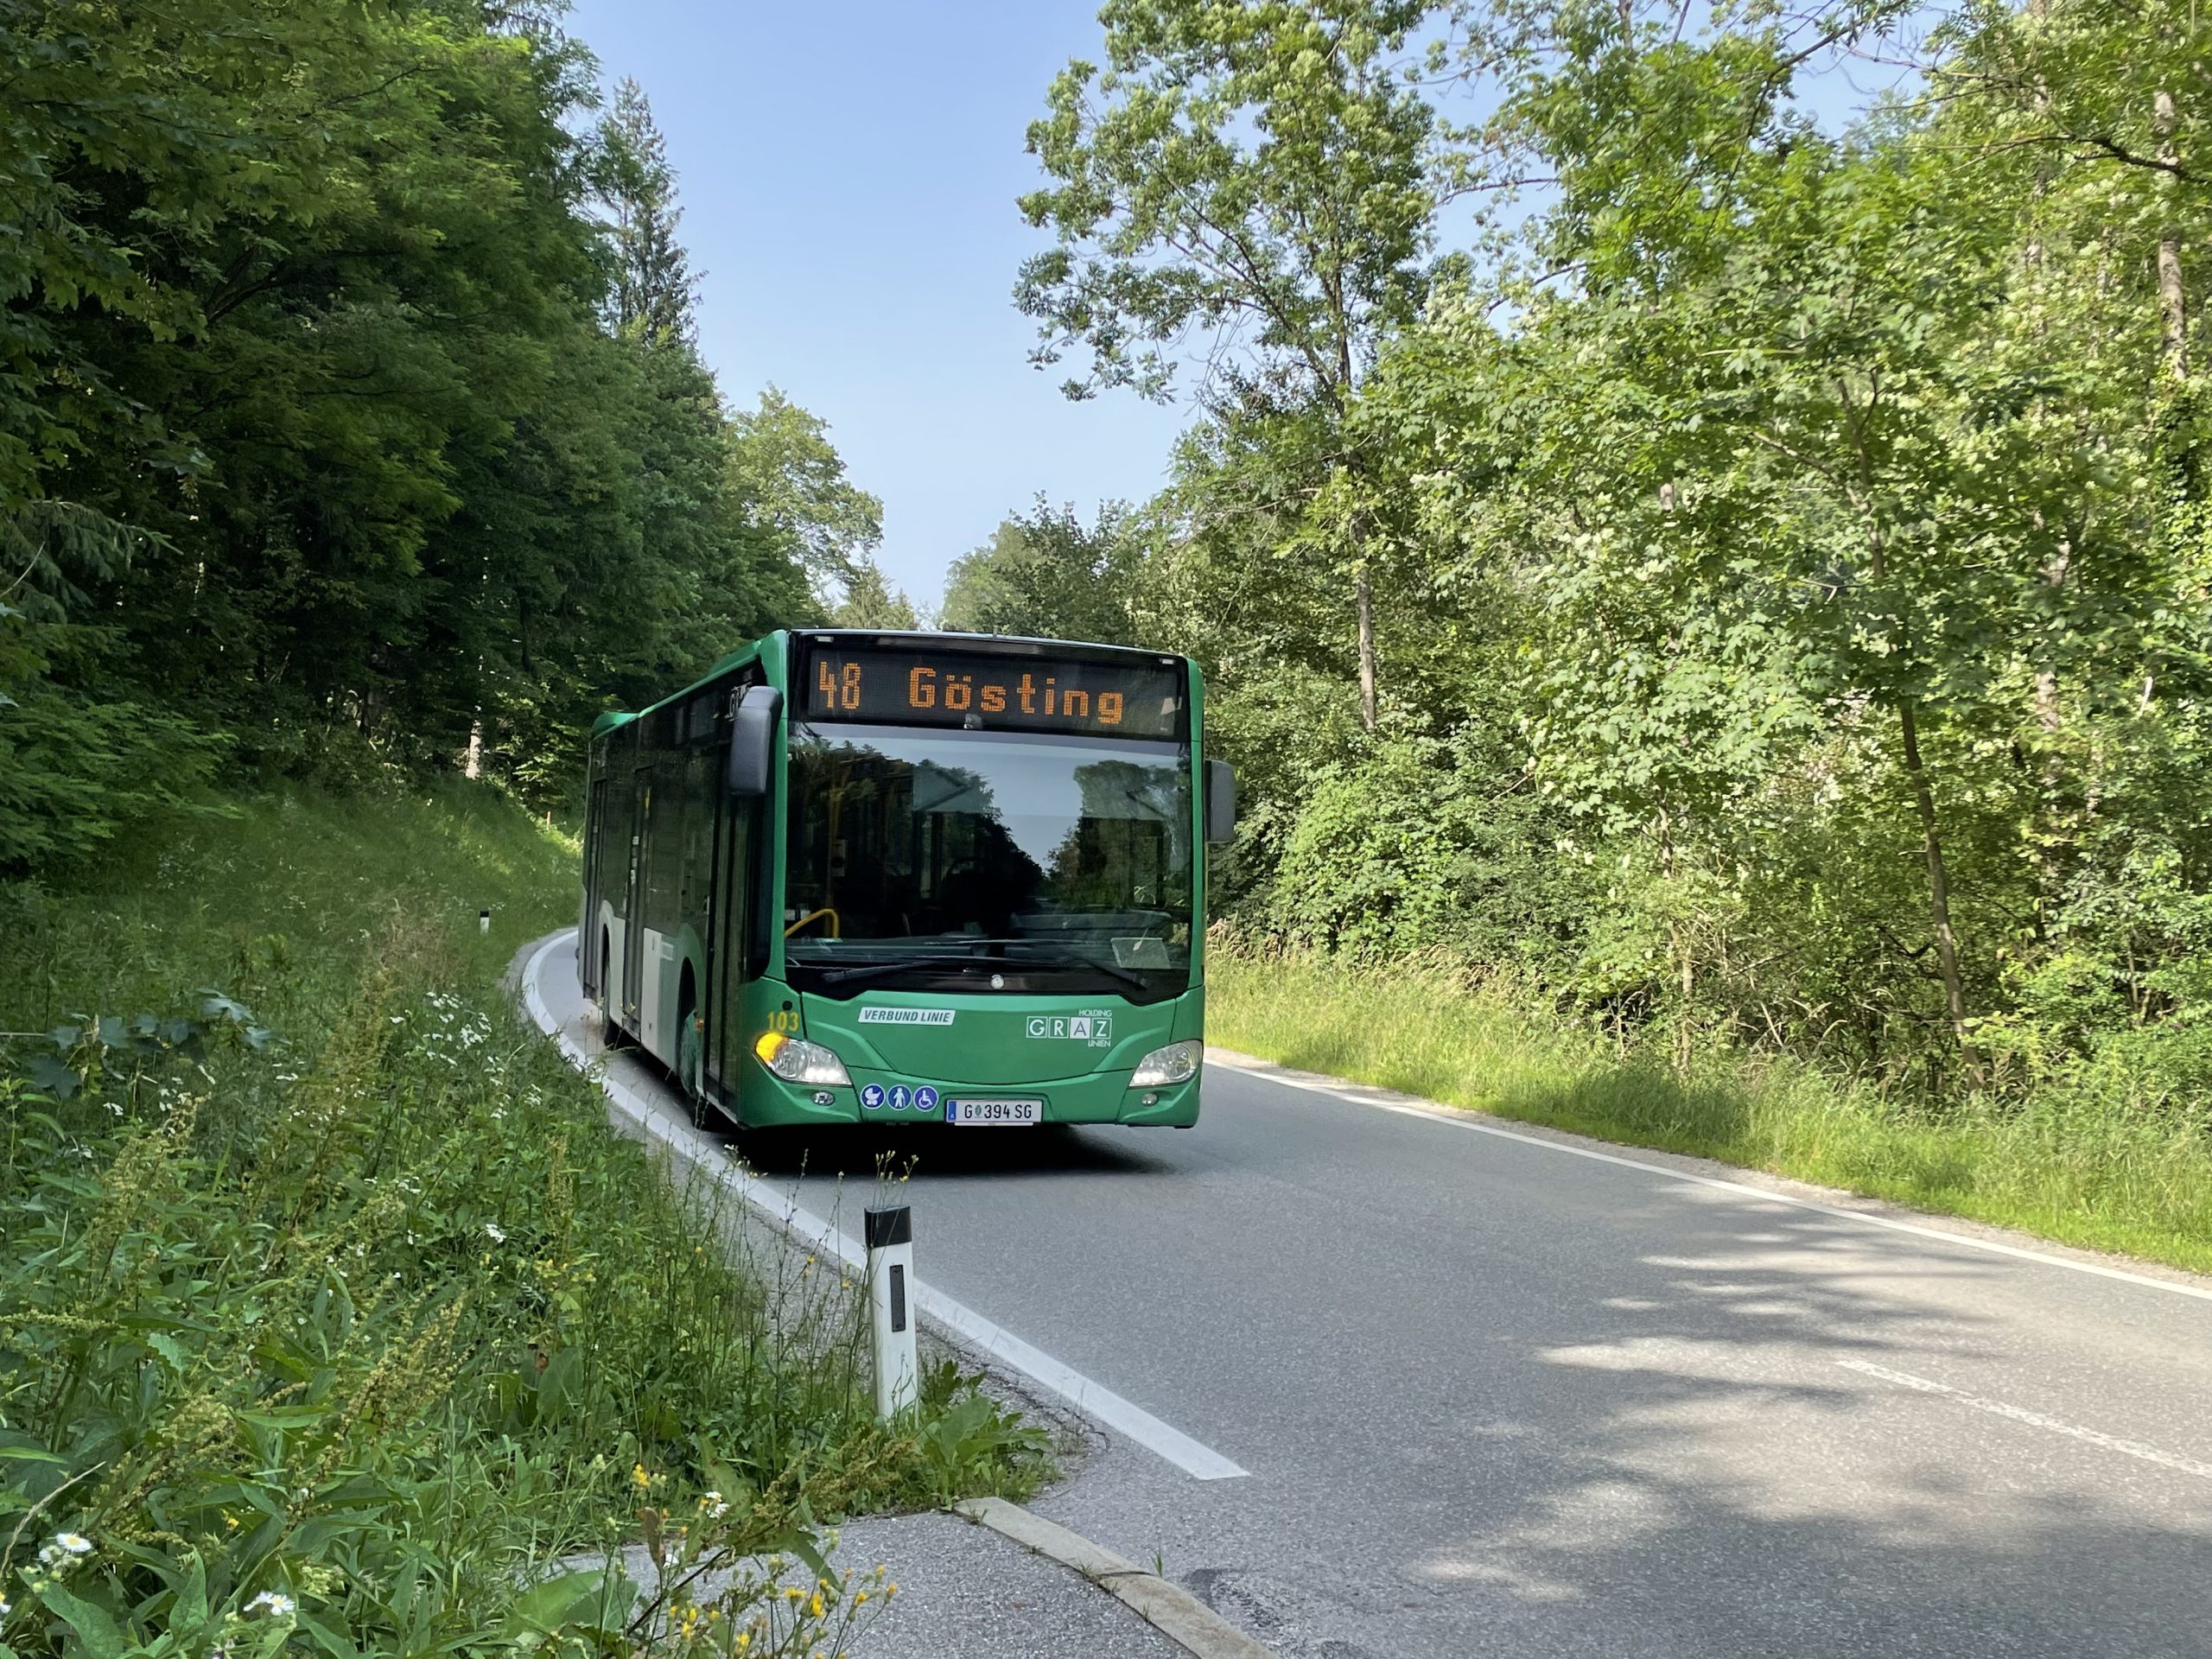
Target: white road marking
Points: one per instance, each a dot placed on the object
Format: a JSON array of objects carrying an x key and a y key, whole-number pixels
[
  {"x": 2033, "y": 1419},
  {"x": 1460, "y": 1121},
  {"x": 1086, "y": 1395}
]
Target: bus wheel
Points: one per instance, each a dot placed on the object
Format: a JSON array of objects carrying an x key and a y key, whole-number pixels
[{"x": 690, "y": 1058}]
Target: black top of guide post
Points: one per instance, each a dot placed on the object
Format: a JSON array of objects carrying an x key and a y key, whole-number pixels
[{"x": 889, "y": 1227}]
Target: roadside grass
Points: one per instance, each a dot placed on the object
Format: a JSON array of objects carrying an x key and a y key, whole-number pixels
[
  {"x": 334, "y": 1317},
  {"x": 2079, "y": 1166}
]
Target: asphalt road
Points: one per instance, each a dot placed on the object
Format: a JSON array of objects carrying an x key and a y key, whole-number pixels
[{"x": 1497, "y": 1398}]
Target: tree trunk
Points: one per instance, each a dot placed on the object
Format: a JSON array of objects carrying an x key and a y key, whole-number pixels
[
  {"x": 1939, "y": 886},
  {"x": 473, "y": 767},
  {"x": 2171, "y": 307},
  {"x": 1366, "y": 649}
]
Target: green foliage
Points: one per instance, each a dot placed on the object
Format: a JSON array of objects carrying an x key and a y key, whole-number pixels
[
  {"x": 871, "y": 602},
  {"x": 1785, "y": 545},
  {"x": 368, "y": 352},
  {"x": 2073, "y": 1164},
  {"x": 1254, "y": 169},
  {"x": 654, "y": 289},
  {"x": 1411, "y": 848},
  {"x": 1043, "y": 575},
  {"x": 333, "y": 1287},
  {"x": 784, "y": 468}
]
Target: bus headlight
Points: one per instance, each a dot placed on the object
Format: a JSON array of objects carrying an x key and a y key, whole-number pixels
[
  {"x": 1177, "y": 1063},
  {"x": 796, "y": 1060}
]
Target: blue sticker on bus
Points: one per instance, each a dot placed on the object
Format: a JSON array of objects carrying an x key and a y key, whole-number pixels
[
  {"x": 899, "y": 1095},
  {"x": 924, "y": 1098},
  {"x": 872, "y": 1097}
]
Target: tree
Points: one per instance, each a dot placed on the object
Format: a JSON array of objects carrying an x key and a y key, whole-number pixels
[
  {"x": 654, "y": 290},
  {"x": 319, "y": 438},
  {"x": 784, "y": 468},
  {"x": 870, "y": 601},
  {"x": 1251, "y": 169},
  {"x": 1043, "y": 575}
]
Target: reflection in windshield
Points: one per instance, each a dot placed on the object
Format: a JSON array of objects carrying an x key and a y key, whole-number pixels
[{"x": 1048, "y": 852}]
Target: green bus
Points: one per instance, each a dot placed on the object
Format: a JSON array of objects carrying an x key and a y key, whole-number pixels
[{"x": 859, "y": 877}]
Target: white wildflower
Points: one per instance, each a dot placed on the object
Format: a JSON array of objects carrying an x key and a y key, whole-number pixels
[
  {"x": 276, "y": 1607},
  {"x": 491, "y": 1231},
  {"x": 74, "y": 1543},
  {"x": 715, "y": 1506}
]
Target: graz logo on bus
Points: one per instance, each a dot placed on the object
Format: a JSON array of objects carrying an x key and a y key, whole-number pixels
[{"x": 1094, "y": 1026}]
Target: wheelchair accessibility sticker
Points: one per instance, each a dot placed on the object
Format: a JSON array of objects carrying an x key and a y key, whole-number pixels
[{"x": 899, "y": 1097}]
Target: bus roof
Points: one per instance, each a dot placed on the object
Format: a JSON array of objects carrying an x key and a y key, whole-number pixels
[{"x": 1008, "y": 644}]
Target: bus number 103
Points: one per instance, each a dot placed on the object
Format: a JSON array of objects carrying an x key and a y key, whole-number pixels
[{"x": 839, "y": 688}]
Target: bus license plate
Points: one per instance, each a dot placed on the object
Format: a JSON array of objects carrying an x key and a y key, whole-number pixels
[{"x": 994, "y": 1114}]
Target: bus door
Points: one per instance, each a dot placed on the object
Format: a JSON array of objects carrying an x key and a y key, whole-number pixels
[
  {"x": 595, "y": 856},
  {"x": 726, "y": 934},
  {"x": 633, "y": 920}
]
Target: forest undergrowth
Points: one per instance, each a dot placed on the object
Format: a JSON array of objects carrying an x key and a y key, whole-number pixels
[{"x": 332, "y": 1314}]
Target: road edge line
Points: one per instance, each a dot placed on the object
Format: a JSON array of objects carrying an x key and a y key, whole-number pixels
[
  {"x": 1374, "y": 1097},
  {"x": 1167, "y": 1607},
  {"x": 1085, "y": 1394}
]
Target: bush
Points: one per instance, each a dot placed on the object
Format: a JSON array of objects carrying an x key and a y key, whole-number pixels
[{"x": 333, "y": 1313}]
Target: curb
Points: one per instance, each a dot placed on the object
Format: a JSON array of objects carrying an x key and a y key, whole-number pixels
[{"x": 1168, "y": 1608}]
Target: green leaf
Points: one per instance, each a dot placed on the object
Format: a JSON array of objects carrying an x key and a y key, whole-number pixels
[
  {"x": 53, "y": 1078},
  {"x": 96, "y": 1629},
  {"x": 592, "y": 1598}
]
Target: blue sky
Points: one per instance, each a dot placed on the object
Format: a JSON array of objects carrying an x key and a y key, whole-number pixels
[{"x": 848, "y": 180}]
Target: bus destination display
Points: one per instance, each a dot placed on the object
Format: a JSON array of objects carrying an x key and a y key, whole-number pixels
[{"x": 994, "y": 694}]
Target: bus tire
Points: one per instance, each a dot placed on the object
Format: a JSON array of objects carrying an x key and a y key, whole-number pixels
[{"x": 690, "y": 1055}]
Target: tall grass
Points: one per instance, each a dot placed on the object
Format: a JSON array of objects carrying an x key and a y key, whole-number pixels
[
  {"x": 2083, "y": 1164},
  {"x": 332, "y": 1314}
]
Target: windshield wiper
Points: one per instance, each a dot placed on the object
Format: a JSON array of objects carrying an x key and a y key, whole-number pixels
[
  {"x": 1073, "y": 959},
  {"x": 879, "y": 969},
  {"x": 1061, "y": 957},
  {"x": 868, "y": 970}
]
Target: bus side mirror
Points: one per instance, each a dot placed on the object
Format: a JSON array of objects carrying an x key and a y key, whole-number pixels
[
  {"x": 753, "y": 741},
  {"x": 1221, "y": 801}
]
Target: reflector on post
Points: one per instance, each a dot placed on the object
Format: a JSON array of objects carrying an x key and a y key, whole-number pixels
[{"x": 890, "y": 1296}]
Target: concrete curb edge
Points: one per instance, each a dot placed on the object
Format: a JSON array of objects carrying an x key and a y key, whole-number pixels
[{"x": 1167, "y": 1607}]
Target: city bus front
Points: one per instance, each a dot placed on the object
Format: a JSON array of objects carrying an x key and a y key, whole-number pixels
[{"x": 992, "y": 885}]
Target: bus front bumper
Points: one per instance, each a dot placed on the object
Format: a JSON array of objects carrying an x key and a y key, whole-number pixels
[{"x": 880, "y": 1098}]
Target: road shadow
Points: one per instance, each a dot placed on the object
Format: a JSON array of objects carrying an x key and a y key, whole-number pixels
[
  {"x": 1663, "y": 1450},
  {"x": 926, "y": 1153}
]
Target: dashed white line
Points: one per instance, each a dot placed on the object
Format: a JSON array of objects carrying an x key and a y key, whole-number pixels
[
  {"x": 1100, "y": 1403},
  {"x": 2033, "y": 1419}
]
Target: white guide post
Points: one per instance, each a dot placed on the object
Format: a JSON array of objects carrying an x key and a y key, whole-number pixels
[
  {"x": 483, "y": 921},
  {"x": 890, "y": 1308}
]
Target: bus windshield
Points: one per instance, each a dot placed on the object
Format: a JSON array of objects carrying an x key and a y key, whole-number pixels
[{"x": 929, "y": 857}]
